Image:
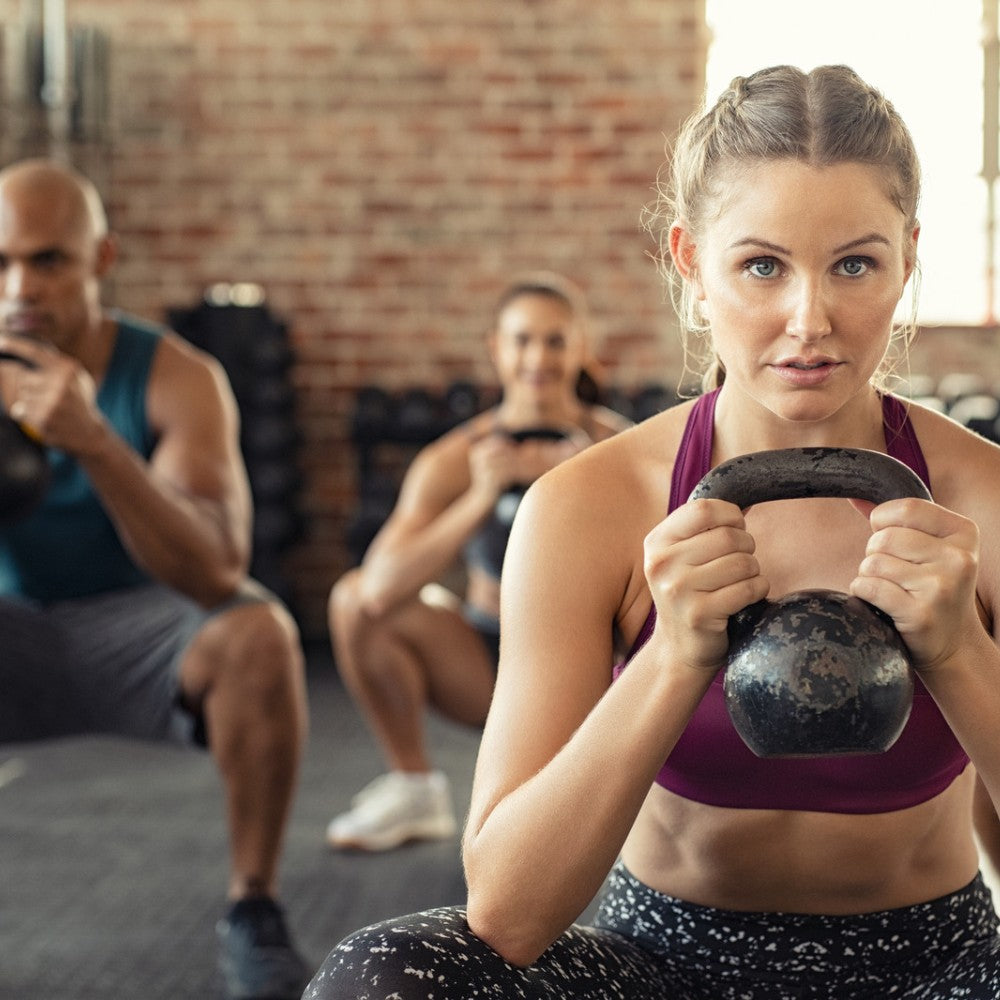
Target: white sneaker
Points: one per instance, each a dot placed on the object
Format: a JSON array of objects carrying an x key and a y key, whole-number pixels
[{"x": 394, "y": 808}]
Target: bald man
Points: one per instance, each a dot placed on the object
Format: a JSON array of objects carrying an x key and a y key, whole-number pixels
[{"x": 125, "y": 602}]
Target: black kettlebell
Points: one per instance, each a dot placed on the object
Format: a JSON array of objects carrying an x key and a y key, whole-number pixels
[
  {"x": 492, "y": 539},
  {"x": 815, "y": 673},
  {"x": 24, "y": 467}
]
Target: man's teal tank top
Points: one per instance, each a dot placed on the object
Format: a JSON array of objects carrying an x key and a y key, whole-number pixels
[{"x": 68, "y": 547}]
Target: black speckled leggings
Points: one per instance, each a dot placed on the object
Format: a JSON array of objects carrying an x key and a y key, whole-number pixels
[{"x": 648, "y": 946}]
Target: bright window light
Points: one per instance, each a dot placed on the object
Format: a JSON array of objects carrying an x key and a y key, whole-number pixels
[{"x": 927, "y": 58}]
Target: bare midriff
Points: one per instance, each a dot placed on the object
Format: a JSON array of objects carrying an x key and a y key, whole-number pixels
[{"x": 804, "y": 862}]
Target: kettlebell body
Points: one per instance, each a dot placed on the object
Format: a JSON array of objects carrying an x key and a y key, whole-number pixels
[
  {"x": 24, "y": 472},
  {"x": 816, "y": 672},
  {"x": 490, "y": 545},
  {"x": 24, "y": 466}
]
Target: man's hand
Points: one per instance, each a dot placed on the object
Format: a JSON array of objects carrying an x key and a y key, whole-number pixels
[{"x": 52, "y": 396}]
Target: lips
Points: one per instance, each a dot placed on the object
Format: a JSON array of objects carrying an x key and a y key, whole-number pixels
[
  {"x": 22, "y": 322},
  {"x": 802, "y": 364},
  {"x": 805, "y": 373}
]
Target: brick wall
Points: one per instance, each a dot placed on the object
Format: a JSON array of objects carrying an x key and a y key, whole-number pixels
[{"x": 381, "y": 169}]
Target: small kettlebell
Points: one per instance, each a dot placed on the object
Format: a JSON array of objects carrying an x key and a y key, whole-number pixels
[
  {"x": 815, "y": 673},
  {"x": 496, "y": 532},
  {"x": 24, "y": 467}
]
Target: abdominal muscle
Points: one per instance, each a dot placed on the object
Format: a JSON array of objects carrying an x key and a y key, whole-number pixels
[{"x": 804, "y": 862}]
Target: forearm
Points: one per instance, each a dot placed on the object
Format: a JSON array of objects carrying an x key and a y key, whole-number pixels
[
  {"x": 190, "y": 543},
  {"x": 535, "y": 860},
  {"x": 394, "y": 573}
]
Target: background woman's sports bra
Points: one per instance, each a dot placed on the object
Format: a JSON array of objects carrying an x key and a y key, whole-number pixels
[{"x": 711, "y": 764}]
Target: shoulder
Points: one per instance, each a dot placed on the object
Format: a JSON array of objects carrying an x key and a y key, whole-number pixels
[
  {"x": 177, "y": 357},
  {"x": 964, "y": 467},
  {"x": 184, "y": 380},
  {"x": 964, "y": 471},
  {"x": 587, "y": 519},
  {"x": 624, "y": 479}
]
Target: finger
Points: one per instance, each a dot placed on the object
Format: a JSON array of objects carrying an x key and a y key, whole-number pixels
[
  {"x": 17, "y": 413},
  {"x": 922, "y": 515},
  {"x": 696, "y": 516},
  {"x": 25, "y": 350},
  {"x": 904, "y": 543},
  {"x": 726, "y": 574}
]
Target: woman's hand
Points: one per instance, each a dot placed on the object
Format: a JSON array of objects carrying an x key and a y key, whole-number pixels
[
  {"x": 497, "y": 462},
  {"x": 493, "y": 465},
  {"x": 920, "y": 568},
  {"x": 700, "y": 566}
]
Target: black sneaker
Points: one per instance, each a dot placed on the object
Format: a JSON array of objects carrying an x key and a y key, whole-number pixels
[{"x": 256, "y": 955}]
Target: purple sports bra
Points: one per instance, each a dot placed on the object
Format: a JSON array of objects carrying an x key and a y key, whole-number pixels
[{"x": 711, "y": 764}]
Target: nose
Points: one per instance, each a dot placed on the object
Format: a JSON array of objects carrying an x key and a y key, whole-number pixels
[
  {"x": 809, "y": 317},
  {"x": 536, "y": 355},
  {"x": 17, "y": 283}
]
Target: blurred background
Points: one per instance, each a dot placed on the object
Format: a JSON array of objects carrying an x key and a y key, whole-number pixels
[{"x": 330, "y": 195}]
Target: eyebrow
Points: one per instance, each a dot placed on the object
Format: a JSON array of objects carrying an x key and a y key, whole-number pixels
[{"x": 851, "y": 245}]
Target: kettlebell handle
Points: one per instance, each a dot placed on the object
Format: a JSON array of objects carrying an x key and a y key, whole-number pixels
[{"x": 799, "y": 473}]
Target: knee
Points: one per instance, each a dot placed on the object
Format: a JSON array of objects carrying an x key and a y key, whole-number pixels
[
  {"x": 256, "y": 648},
  {"x": 355, "y": 631},
  {"x": 404, "y": 957},
  {"x": 345, "y": 609}
]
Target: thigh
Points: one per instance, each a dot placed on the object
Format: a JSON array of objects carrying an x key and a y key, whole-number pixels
[
  {"x": 122, "y": 653},
  {"x": 457, "y": 665},
  {"x": 973, "y": 974},
  {"x": 434, "y": 956},
  {"x": 41, "y": 697}
]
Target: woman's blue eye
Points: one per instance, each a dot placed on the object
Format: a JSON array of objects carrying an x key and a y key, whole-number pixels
[
  {"x": 763, "y": 267},
  {"x": 853, "y": 266}
]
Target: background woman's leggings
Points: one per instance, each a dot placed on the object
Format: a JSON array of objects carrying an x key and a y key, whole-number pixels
[{"x": 648, "y": 946}]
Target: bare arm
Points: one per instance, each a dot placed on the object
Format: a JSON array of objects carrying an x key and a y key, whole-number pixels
[
  {"x": 935, "y": 568},
  {"x": 440, "y": 506},
  {"x": 567, "y": 759},
  {"x": 448, "y": 492},
  {"x": 184, "y": 515}
]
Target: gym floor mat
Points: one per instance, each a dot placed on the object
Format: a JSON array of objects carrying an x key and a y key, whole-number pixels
[{"x": 113, "y": 857}]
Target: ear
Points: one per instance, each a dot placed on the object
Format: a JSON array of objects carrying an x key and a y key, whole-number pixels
[
  {"x": 683, "y": 251},
  {"x": 911, "y": 253},
  {"x": 107, "y": 254}
]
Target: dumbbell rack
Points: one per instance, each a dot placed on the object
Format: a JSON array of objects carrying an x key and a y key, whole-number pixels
[{"x": 253, "y": 347}]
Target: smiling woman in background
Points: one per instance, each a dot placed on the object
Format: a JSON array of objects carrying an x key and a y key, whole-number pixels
[{"x": 405, "y": 643}]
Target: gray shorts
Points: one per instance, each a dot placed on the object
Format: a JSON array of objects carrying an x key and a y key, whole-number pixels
[{"x": 109, "y": 663}]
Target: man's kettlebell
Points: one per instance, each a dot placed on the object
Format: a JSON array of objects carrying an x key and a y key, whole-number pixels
[
  {"x": 496, "y": 532},
  {"x": 24, "y": 467},
  {"x": 815, "y": 673}
]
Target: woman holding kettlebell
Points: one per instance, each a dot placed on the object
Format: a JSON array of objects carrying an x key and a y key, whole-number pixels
[
  {"x": 789, "y": 226},
  {"x": 403, "y": 642}
]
